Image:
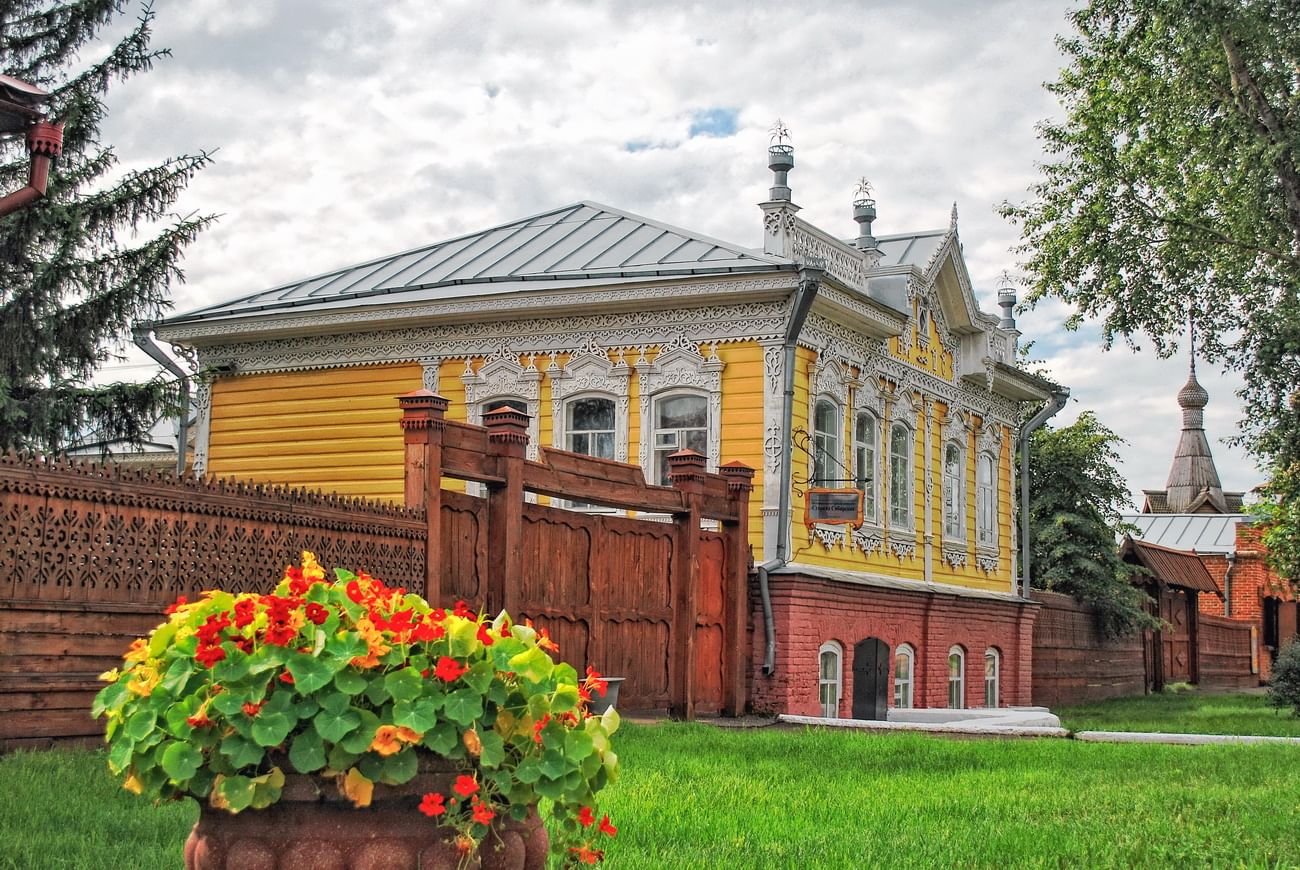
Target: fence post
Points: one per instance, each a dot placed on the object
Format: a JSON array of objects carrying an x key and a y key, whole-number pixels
[
  {"x": 686, "y": 474},
  {"x": 740, "y": 483},
  {"x": 508, "y": 442},
  {"x": 423, "y": 423}
]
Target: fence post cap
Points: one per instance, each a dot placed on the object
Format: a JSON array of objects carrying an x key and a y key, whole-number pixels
[{"x": 506, "y": 424}]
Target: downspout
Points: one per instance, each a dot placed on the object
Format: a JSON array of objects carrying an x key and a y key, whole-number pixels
[
  {"x": 801, "y": 304},
  {"x": 144, "y": 340},
  {"x": 1054, "y": 404},
  {"x": 44, "y": 143},
  {"x": 1227, "y": 584}
]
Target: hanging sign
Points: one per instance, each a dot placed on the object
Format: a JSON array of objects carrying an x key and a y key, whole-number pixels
[{"x": 834, "y": 507}]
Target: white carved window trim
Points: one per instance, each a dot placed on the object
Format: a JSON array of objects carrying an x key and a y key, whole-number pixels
[
  {"x": 679, "y": 367},
  {"x": 828, "y": 443},
  {"x": 501, "y": 376},
  {"x": 993, "y": 680},
  {"x": 954, "y": 494},
  {"x": 957, "y": 678},
  {"x": 830, "y": 689},
  {"x": 868, "y": 483},
  {"x": 651, "y": 430},
  {"x": 909, "y": 475},
  {"x": 986, "y": 501},
  {"x": 590, "y": 374},
  {"x": 904, "y": 684},
  {"x": 560, "y": 439}
]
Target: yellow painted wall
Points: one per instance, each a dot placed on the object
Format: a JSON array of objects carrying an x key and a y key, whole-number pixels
[
  {"x": 334, "y": 429},
  {"x": 928, "y": 355},
  {"x": 742, "y": 422}
]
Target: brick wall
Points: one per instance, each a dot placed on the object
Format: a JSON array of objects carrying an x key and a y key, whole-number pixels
[{"x": 810, "y": 611}]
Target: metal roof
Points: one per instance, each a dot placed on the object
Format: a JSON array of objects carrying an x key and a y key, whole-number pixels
[
  {"x": 1170, "y": 566},
  {"x": 1201, "y": 533},
  {"x": 582, "y": 243},
  {"x": 910, "y": 249}
]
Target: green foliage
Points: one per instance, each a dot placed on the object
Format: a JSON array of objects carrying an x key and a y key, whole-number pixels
[
  {"x": 1284, "y": 687},
  {"x": 1171, "y": 194},
  {"x": 1076, "y": 496},
  {"x": 99, "y": 252},
  {"x": 346, "y": 680}
]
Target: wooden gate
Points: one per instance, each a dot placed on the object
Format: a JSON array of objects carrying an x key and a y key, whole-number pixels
[
  {"x": 1177, "y": 654},
  {"x": 870, "y": 679},
  {"x": 710, "y": 631}
]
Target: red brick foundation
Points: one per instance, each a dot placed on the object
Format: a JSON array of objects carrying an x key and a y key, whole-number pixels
[{"x": 810, "y": 611}]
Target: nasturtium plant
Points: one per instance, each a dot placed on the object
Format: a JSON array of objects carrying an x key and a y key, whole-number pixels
[{"x": 350, "y": 680}]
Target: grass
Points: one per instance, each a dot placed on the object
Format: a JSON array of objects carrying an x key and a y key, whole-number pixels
[
  {"x": 698, "y": 796},
  {"x": 1187, "y": 712}
]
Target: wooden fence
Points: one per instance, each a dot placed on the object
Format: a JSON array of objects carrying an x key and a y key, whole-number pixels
[
  {"x": 1226, "y": 653},
  {"x": 90, "y": 555}
]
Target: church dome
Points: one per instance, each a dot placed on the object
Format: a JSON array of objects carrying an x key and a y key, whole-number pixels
[{"x": 1193, "y": 395}]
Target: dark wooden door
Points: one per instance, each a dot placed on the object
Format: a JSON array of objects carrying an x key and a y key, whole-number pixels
[
  {"x": 870, "y": 679},
  {"x": 1176, "y": 652},
  {"x": 709, "y": 633}
]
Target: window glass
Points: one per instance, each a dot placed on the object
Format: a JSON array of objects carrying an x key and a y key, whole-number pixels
[
  {"x": 492, "y": 404},
  {"x": 900, "y": 476},
  {"x": 826, "y": 444},
  {"x": 992, "y": 677},
  {"x": 864, "y": 463},
  {"x": 953, "y": 502},
  {"x": 903, "y": 677},
  {"x": 829, "y": 680},
  {"x": 591, "y": 427},
  {"x": 986, "y": 501},
  {"x": 956, "y": 678},
  {"x": 681, "y": 423}
]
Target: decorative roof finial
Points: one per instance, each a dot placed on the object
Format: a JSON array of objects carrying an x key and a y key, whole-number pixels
[
  {"x": 780, "y": 159},
  {"x": 1007, "y": 300},
  {"x": 864, "y": 212},
  {"x": 1191, "y": 340},
  {"x": 952, "y": 219}
]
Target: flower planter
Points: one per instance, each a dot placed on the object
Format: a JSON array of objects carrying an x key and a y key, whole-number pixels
[
  {"x": 311, "y": 828},
  {"x": 600, "y": 703}
]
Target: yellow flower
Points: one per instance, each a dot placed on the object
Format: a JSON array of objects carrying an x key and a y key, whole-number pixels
[
  {"x": 138, "y": 652},
  {"x": 143, "y": 680},
  {"x": 311, "y": 569},
  {"x": 110, "y": 676},
  {"x": 133, "y": 785}
]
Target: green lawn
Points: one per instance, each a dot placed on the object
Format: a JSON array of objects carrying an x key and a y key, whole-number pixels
[
  {"x": 698, "y": 796},
  {"x": 1187, "y": 712}
]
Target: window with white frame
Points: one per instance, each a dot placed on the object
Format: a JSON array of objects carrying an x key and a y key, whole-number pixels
[
  {"x": 904, "y": 661},
  {"x": 830, "y": 678},
  {"x": 986, "y": 501},
  {"x": 992, "y": 676},
  {"x": 954, "y": 492},
  {"x": 956, "y": 678},
  {"x": 503, "y": 402},
  {"x": 900, "y": 476},
  {"x": 826, "y": 443},
  {"x": 681, "y": 422},
  {"x": 589, "y": 426},
  {"x": 866, "y": 434}
]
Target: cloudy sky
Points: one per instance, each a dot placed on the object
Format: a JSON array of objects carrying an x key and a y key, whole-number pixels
[{"x": 349, "y": 130}]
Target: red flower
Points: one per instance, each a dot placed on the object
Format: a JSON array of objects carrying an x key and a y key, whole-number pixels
[
  {"x": 483, "y": 812},
  {"x": 425, "y": 633},
  {"x": 317, "y": 614},
  {"x": 210, "y": 630},
  {"x": 433, "y": 804},
  {"x": 484, "y": 637},
  {"x": 286, "y": 678},
  {"x": 449, "y": 670},
  {"x": 594, "y": 682},
  {"x": 253, "y": 709},
  {"x": 209, "y": 654},
  {"x": 353, "y": 589},
  {"x": 462, "y": 610},
  {"x": 465, "y": 785},
  {"x": 200, "y": 721},
  {"x": 245, "y": 610},
  {"x": 587, "y": 855},
  {"x": 244, "y": 644},
  {"x": 438, "y": 614},
  {"x": 586, "y": 818},
  {"x": 280, "y": 634},
  {"x": 537, "y": 730},
  {"x": 606, "y": 827},
  {"x": 180, "y": 602}
]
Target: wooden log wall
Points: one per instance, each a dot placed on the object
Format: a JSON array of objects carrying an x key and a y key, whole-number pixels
[
  {"x": 1073, "y": 663},
  {"x": 1225, "y": 651}
]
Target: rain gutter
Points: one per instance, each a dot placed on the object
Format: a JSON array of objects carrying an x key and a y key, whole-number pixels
[
  {"x": 801, "y": 304},
  {"x": 143, "y": 336},
  {"x": 1055, "y": 403}
]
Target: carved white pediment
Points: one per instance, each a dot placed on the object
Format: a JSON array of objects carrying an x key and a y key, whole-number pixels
[
  {"x": 501, "y": 375},
  {"x": 591, "y": 372},
  {"x": 679, "y": 364}
]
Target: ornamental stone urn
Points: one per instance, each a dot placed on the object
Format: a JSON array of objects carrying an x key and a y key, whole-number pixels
[{"x": 311, "y": 827}]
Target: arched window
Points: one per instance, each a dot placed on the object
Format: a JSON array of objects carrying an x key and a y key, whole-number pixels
[
  {"x": 904, "y": 660},
  {"x": 956, "y": 678},
  {"x": 826, "y": 444},
  {"x": 681, "y": 422},
  {"x": 954, "y": 498},
  {"x": 504, "y": 401},
  {"x": 900, "y": 476},
  {"x": 986, "y": 502},
  {"x": 866, "y": 478},
  {"x": 830, "y": 681},
  {"x": 589, "y": 426},
  {"x": 992, "y": 676}
]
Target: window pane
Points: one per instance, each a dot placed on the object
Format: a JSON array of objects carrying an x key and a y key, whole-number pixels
[
  {"x": 587, "y": 414},
  {"x": 697, "y": 440},
  {"x": 682, "y": 412},
  {"x": 580, "y": 442},
  {"x": 828, "y": 665},
  {"x": 604, "y": 447},
  {"x": 826, "y": 417},
  {"x": 518, "y": 404},
  {"x": 954, "y": 667}
]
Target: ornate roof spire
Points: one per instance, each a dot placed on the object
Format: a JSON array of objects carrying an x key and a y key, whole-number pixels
[{"x": 1193, "y": 479}]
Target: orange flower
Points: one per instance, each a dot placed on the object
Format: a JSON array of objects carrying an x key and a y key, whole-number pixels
[
  {"x": 389, "y": 739},
  {"x": 607, "y": 828},
  {"x": 139, "y": 650},
  {"x": 587, "y": 855}
]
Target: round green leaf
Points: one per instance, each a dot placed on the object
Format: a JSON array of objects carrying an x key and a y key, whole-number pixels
[
  {"x": 418, "y": 715},
  {"x": 463, "y": 706},
  {"x": 307, "y": 754},
  {"x": 270, "y": 729},
  {"x": 180, "y": 761},
  {"x": 309, "y": 673},
  {"x": 334, "y": 725}
]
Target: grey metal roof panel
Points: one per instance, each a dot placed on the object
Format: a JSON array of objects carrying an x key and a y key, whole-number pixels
[
  {"x": 580, "y": 242},
  {"x": 1202, "y": 533},
  {"x": 910, "y": 249}
]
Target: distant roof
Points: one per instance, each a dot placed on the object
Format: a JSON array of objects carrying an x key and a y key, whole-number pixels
[
  {"x": 1170, "y": 566},
  {"x": 1157, "y": 502},
  {"x": 585, "y": 242},
  {"x": 1201, "y": 533},
  {"x": 910, "y": 249}
]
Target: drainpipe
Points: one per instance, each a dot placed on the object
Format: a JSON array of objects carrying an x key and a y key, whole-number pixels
[
  {"x": 801, "y": 304},
  {"x": 144, "y": 340},
  {"x": 1054, "y": 404},
  {"x": 44, "y": 143},
  {"x": 1227, "y": 584}
]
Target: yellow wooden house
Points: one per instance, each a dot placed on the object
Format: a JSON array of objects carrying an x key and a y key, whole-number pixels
[{"x": 823, "y": 362}]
